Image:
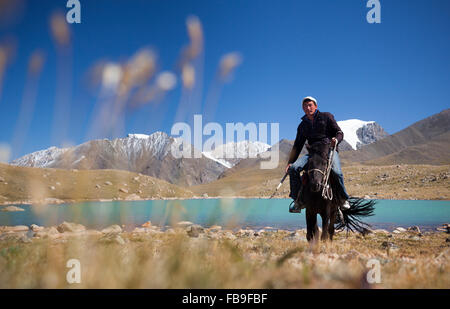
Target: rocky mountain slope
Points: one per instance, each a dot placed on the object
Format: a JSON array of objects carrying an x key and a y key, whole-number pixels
[
  {"x": 424, "y": 142},
  {"x": 358, "y": 133},
  {"x": 146, "y": 154}
]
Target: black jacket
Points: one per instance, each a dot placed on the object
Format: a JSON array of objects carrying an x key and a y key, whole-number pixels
[{"x": 322, "y": 129}]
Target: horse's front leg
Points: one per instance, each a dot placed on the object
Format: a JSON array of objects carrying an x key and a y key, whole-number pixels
[
  {"x": 333, "y": 214},
  {"x": 325, "y": 225},
  {"x": 312, "y": 230}
]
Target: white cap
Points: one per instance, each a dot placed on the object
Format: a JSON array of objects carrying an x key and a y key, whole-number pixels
[{"x": 309, "y": 99}]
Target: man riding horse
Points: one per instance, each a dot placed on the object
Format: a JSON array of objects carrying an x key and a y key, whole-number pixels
[{"x": 316, "y": 127}]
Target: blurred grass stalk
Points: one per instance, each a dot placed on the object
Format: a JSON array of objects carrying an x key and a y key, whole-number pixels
[
  {"x": 35, "y": 65},
  {"x": 7, "y": 54},
  {"x": 62, "y": 38},
  {"x": 191, "y": 67},
  {"x": 227, "y": 65}
]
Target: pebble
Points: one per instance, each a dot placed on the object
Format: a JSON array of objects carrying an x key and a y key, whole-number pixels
[
  {"x": 414, "y": 229},
  {"x": 46, "y": 232},
  {"x": 215, "y": 228},
  {"x": 194, "y": 230},
  {"x": 145, "y": 230},
  {"x": 112, "y": 238},
  {"x": 381, "y": 231},
  {"x": 184, "y": 224},
  {"x": 147, "y": 224},
  {"x": 399, "y": 230},
  {"x": 36, "y": 228},
  {"x": 15, "y": 228},
  {"x": 70, "y": 227},
  {"x": 112, "y": 229}
]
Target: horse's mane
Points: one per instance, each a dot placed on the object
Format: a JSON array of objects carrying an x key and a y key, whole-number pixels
[{"x": 318, "y": 148}]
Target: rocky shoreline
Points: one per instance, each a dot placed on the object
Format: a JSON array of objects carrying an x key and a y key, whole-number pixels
[
  {"x": 55, "y": 201},
  {"x": 69, "y": 229}
]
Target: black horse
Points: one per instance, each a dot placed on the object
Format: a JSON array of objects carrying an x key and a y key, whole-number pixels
[{"x": 311, "y": 194}]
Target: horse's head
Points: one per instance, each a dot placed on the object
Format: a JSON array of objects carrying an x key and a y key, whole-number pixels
[{"x": 317, "y": 164}]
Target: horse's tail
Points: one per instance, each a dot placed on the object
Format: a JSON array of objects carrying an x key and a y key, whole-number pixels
[{"x": 351, "y": 217}]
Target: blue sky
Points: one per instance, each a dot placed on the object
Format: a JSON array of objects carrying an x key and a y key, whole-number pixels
[{"x": 395, "y": 73}]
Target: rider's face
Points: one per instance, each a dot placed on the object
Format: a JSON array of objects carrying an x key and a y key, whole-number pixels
[{"x": 309, "y": 108}]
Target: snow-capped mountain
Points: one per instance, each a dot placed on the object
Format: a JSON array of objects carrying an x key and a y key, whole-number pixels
[
  {"x": 41, "y": 158},
  {"x": 358, "y": 132},
  {"x": 231, "y": 153},
  {"x": 147, "y": 154}
]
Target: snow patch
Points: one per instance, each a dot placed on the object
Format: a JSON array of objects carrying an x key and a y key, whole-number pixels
[
  {"x": 350, "y": 127},
  {"x": 236, "y": 150},
  {"x": 221, "y": 161},
  {"x": 145, "y": 136}
]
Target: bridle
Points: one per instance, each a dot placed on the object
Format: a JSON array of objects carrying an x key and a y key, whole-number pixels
[{"x": 317, "y": 170}]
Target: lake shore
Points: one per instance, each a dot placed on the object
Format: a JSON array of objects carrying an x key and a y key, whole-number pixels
[
  {"x": 152, "y": 257},
  {"x": 52, "y": 201}
]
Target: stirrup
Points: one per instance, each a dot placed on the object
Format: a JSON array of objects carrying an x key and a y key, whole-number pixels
[{"x": 294, "y": 207}]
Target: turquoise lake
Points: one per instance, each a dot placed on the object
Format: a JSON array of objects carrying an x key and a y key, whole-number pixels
[{"x": 227, "y": 212}]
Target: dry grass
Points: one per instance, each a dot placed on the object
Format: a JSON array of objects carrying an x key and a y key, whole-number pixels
[
  {"x": 273, "y": 259},
  {"x": 380, "y": 182},
  {"x": 28, "y": 184},
  {"x": 401, "y": 182}
]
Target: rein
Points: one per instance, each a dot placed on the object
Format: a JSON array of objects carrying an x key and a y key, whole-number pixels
[{"x": 327, "y": 192}]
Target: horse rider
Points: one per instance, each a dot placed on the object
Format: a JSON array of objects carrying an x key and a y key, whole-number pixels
[{"x": 315, "y": 127}]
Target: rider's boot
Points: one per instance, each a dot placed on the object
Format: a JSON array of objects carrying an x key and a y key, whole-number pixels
[
  {"x": 297, "y": 205},
  {"x": 294, "y": 207}
]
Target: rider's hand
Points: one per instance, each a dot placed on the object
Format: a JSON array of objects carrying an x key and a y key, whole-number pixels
[
  {"x": 287, "y": 167},
  {"x": 333, "y": 141}
]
